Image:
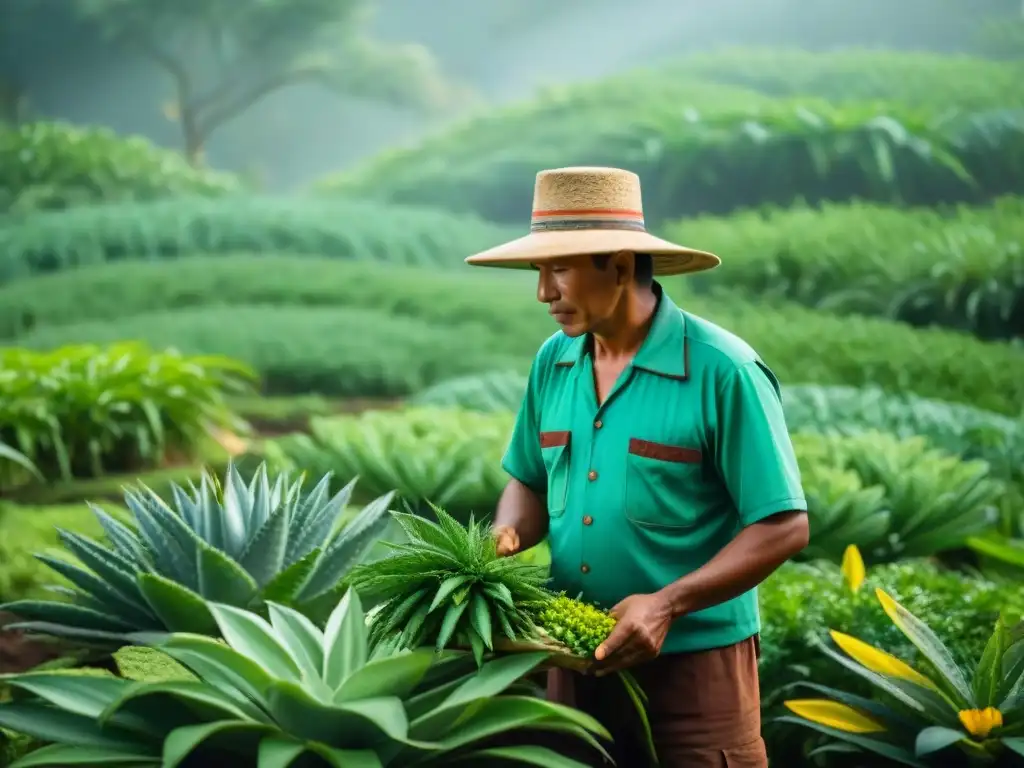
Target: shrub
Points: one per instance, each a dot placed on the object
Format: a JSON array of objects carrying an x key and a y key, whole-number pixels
[
  {"x": 485, "y": 392},
  {"x": 961, "y": 268},
  {"x": 451, "y": 324},
  {"x": 81, "y": 411},
  {"x": 50, "y": 165},
  {"x": 54, "y": 241},
  {"x": 799, "y": 603},
  {"x": 929, "y": 80},
  {"x": 695, "y": 161},
  {"x": 308, "y": 350},
  {"x": 892, "y": 498}
]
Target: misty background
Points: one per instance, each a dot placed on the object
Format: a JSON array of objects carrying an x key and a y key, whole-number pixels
[{"x": 500, "y": 51}]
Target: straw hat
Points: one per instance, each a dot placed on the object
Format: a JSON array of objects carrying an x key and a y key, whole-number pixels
[{"x": 578, "y": 211}]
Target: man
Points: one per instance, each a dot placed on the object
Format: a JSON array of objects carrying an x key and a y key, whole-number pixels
[{"x": 651, "y": 450}]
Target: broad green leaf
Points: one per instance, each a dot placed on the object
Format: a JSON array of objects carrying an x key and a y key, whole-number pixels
[
  {"x": 353, "y": 725},
  {"x": 222, "y": 580},
  {"x": 73, "y": 616},
  {"x": 301, "y": 637},
  {"x": 276, "y": 752},
  {"x": 930, "y": 646},
  {"x": 73, "y": 754},
  {"x": 396, "y": 675},
  {"x": 345, "y": 641},
  {"x": 179, "y": 608},
  {"x": 53, "y": 725},
  {"x": 988, "y": 677},
  {"x": 347, "y": 758},
  {"x": 885, "y": 749},
  {"x": 936, "y": 738},
  {"x": 182, "y": 742},
  {"x": 448, "y": 586},
  {"x": 494, "y": 677},
  {"x": 200, "y": 697},
  {"x": 252, "y": 637},
  {"x": 449, "y": 624},
  {"x": 480, "y": 617}
]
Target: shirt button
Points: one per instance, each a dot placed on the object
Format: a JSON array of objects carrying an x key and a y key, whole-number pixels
[
  {"x": 587, "y": 520},
  {"x": 585, "y": 568},
  {"x": 598, "y": 424},
  {"x": 592, "y": 475}
]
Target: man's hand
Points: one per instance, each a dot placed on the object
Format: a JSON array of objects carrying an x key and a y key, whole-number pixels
[
  {"x": 642, "y": 622},
  {"x": 506, "y": 540}
]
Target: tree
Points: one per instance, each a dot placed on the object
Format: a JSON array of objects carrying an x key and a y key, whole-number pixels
[{"x": 223, "y": 56}]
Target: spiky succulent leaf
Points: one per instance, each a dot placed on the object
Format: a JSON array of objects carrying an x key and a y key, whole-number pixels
[{"x": 178, "y": 608}]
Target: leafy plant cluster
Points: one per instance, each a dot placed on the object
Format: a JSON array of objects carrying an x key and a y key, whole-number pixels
[
  {"x": 893, "y": 498},
  {"x": 938, "y": 82},
  {"x": 169, "y": 229},
  {"x": 53, "y": 165},
  {"x": 80, "y": 411},
  {"x": 451, "y": 324},
  {"x": 800, "y": 602},
  {"x": 695, "y": 160},
  {"x": 961, "y": 268}
]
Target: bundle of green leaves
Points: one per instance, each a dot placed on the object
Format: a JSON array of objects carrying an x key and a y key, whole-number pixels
[{"x": 80, "y": 411}]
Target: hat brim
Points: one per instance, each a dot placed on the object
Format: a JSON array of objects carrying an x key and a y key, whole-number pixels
[{"x": 522, "y": 253}]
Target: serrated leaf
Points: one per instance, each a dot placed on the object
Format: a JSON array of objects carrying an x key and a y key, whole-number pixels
[
  {"x": 179, "y": 608},
  {"x": 222, "y": 580}
]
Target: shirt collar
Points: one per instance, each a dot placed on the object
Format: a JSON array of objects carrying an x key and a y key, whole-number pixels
[{"x": 665, "y": 351}]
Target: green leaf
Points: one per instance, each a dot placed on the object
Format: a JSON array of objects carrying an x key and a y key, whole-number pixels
[
  {"x": 251, "y": 636},
  {"x": 347, "y": 758},
  {"x": 198, "y": 696},
  {"x": 353, "y": 725},
  {"x": 522, "y": 755},
  {"x": 276, "y": 752},
  {"x": 345, "y": 641},
  {"x": 448, "y": 586},
  {"x": 449, "y": 623},
  {"x": 988, "y": 677},
  {"x": 301, "y": 637},
  {"x": 73, "y": 616},
  {"x": 390, "y": 676},
  {"x": 494, "y": 677},
  {"x": 181, "y": 742},
  {"x": 885, "y": 749},
  {"x": 936, "y": 738},
  {"x": 285, "y": 586},
  {"x": 117, "y": 572},
  {"x": 47, "y": 724},
  {"x": 222, "y": 580},
  {"x": 131, "y": 611},
  {"x": 480, "y": 617},
  {"x": 263, "y": 558},
  {"x": 178, "y": 607},
  {"x": 74, "y": 754}
]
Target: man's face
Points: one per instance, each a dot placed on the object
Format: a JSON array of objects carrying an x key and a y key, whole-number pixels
[{"x": 581, "y": 296}]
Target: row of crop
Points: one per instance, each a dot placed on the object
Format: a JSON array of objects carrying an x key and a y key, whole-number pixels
[
  {"x": 167, "y": 229},
  {"x": 960, "y": 268},
  {"x": 351, "y": 328},
  {"x": 693, "y": 161},
  {"x": 892, "y": 498}
]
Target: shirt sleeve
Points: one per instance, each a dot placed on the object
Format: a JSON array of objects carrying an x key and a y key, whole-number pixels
[
  {"x": 522, "y": 458},
  {"x": 753, "y": 450}
]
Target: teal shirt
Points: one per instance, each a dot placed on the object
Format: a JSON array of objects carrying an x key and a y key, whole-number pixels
[{"x": 689, "y": 447}]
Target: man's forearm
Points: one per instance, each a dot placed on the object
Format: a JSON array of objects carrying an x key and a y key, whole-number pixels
[
  {"x": 741, "y": 565},
  {"x": 524, "y": 510}
]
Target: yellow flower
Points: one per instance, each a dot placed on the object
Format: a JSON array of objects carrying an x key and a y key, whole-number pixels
[
  {"x": 835, "y": 715},
  {"x": 853, "y": 567},
  {"x": 879, "y": 661},
  {"x": 980, "y": 722}
]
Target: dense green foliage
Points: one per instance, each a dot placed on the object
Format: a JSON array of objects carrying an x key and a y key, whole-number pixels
[
  {"x": 706, "y": 162},
  {"x": 799, "y": 603},
  {"x": 893, "y": 498},
  {"x": 168, "y": 229},
  {"x": 422, "y": 326},
  {"x": 960, "y": 268},
  {"x": 81, "y": 411},
  {"x": 927, "y": 80},
  {"x": 55, "y": 165}
]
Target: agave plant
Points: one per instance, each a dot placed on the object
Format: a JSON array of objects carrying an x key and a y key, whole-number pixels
[
  {"x": 925, "y": 715},
  {"x": 280, "y": 691},
  {"x": 446, "y": 584},
  {"x": 235, "y": 543}
]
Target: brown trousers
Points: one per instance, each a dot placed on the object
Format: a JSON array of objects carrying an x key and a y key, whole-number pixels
[{"x": 704, "y": 709}]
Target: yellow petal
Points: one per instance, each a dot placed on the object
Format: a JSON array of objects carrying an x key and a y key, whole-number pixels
[
  {"x": 879, "y": 661},
  {"x": 980, "y": 722},
  {"x": 835, "y": 715},
  {"x": 853, "y": 567}
]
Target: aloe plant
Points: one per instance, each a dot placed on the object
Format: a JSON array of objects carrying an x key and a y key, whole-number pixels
[
  {"x": 236, "y": 543},
  {"x": 278, "y": 691}
]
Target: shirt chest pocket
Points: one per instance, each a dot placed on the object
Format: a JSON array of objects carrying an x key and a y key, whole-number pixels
[
  {"x": 555, "y": 449},
  {"x": 664, "y": 484}
]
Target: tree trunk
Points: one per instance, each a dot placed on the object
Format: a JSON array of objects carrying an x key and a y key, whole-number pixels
[{"x": 193, "y": 137}]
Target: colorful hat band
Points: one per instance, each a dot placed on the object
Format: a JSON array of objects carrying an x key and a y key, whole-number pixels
[{"x": 593, "y": 218}]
